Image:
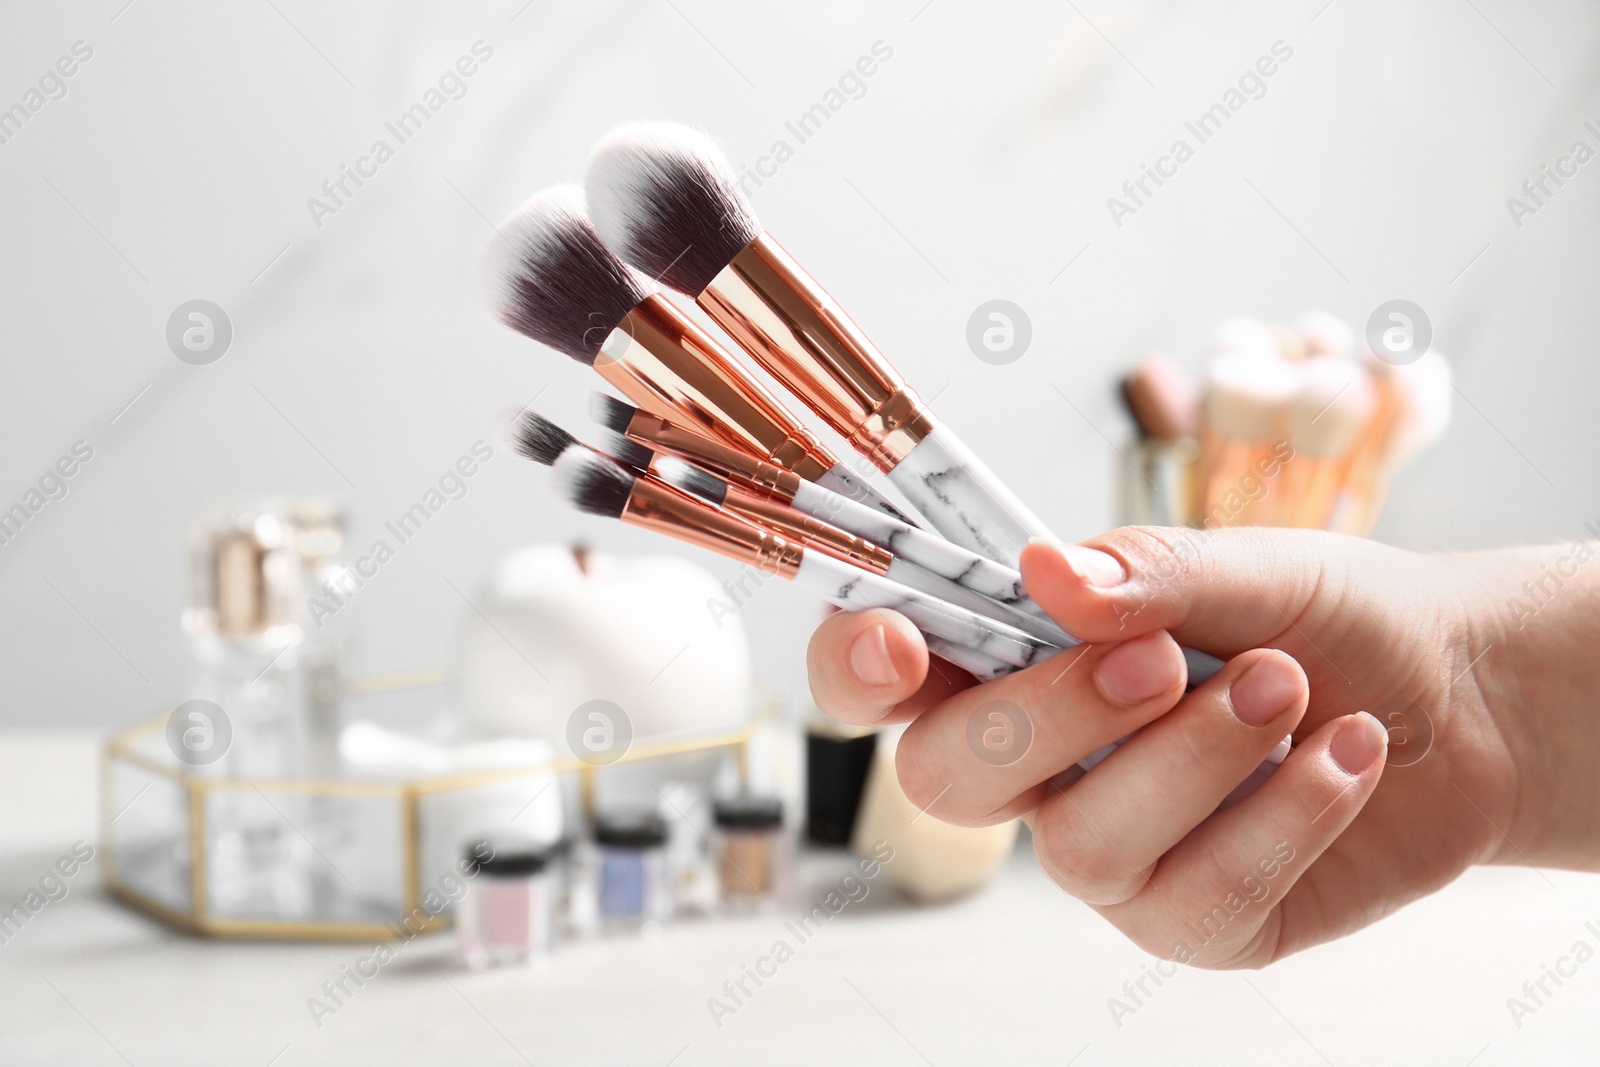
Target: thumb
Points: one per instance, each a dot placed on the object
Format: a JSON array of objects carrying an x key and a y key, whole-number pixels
[{"x": 1222, "y": 591}]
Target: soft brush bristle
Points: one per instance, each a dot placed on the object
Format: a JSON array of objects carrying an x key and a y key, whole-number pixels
[
  {"x": 1333, "y": 404},
  {"x": 1248, "y": 394},
  {"x": 665, "y": 198},
  {"x": 1426, "y": 395},
  {"x": 625, "y": 450},
  {"x": 548, "y": 275},
  {"x": 691, "y": 479},
  {"x": 591, "y": 482},
  {"x": 532, "y": 436},
  {"x": 610, "y": 412}
]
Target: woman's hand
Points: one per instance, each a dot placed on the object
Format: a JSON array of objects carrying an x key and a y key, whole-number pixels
[{"x": 1367, "y": 654}]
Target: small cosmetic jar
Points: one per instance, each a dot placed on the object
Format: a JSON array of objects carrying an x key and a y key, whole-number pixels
[
  {"x": 753, "y": 852},
  {"x": 635, "y": 891},
  {"x": 509, "y": 912}
]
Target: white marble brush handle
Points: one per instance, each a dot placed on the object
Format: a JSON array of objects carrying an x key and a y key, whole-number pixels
[
  {"x": 927, "y": 550},
  {"x": 1042, "y": 627},
  {"x": 847, "y": 586},
  {"x": 983, "y": 668},
  {"x": 962, "y": 499},
  {"x": 959, "y": 496},
  {"x": 838, "y": 479}
]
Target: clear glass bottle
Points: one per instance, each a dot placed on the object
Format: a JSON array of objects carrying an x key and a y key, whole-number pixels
[
  {"x": 508, "y": 915},
  {"x": 245, "y": 637},
  {"x": 318, "y": 533},
  {"x": 634, "y": 891}
]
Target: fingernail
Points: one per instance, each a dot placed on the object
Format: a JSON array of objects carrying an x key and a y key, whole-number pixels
[
  {"x": 1359, "y": 743},
  {"x": 1096, "y": 568},
  {"x": 1140, "y": 669},
  {"x": 870, "y": 659},
  {"x": 1265, "y": 691}
]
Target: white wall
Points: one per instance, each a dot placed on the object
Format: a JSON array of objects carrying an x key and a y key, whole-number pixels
[{"x": 976, "y": 165}]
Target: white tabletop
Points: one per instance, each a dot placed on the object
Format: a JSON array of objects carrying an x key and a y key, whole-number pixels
[{"x": 1017, "y": 974}]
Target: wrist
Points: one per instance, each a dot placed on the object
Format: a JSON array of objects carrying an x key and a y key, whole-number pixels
[{"x": 1529, "y": 651}]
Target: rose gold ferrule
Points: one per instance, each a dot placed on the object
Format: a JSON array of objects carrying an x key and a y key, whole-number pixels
[
  {"x": 672, "y": 368},
  {"x": 803, "y": 338},
  {"x": 657, "y": 506},
  {"x": 768, "y": 479},
  {"x": 813, "y": 531}
]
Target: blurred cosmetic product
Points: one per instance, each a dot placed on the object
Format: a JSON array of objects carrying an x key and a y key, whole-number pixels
[
  {"x": 1296, "y": 427},
  {"x": 508, "y": 915},
  {"x": 687, "y": 808},
  {"x": 635, "y": 892},
  {"x": 244, "y": 631},
  {"x": 318, "y": 528},
  {"x": 837, "y": 758},
  {"x": 555, "y": 628},
  {"x": 933, "y": 860},
  {"x": 753, "y": 850}
]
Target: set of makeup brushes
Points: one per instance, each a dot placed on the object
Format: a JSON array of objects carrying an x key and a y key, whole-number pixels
[
  {"x": 1295, "y": 426},
  {"x": 697, "y": 448}
]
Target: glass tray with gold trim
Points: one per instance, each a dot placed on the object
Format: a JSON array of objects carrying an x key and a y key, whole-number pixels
[{"x": 336, "y": 858}]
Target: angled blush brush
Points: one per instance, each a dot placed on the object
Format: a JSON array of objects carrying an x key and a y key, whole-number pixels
[
  {"x": 666, "y": 199},
  {"x": 548, "y": 275}
]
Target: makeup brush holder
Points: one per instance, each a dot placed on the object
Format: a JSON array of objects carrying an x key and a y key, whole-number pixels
[
  {"x": 352, "y": 856},
  {"x": 1158, "y": 483}
]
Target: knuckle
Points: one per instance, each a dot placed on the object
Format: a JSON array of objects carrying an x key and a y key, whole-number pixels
[
  {"x": 1079, "y": 859},
  {"x": 1159, "y": 553},
  {"x": 922, "y": 774}
]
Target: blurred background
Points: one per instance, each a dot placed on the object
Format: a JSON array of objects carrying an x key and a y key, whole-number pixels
[{"x": 186, "y": 157}]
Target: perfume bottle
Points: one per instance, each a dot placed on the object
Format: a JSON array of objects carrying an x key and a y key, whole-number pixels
[
  {"x": 246, "y": 637},
  {"x": 244, "y": 634}
]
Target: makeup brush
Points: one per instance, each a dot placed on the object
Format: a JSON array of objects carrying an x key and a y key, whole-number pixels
[
  {"x": 531, "y": 436},
  {"x": 631, "y": 453},
  {"x": 1166, "y": 411},
  {"x": 666, "y": 199},
  {"x": 1422, "y": 399},
  {"x": 596, "y": 484},
  {"x": 1334, "y": 402},
  {"x": 928, "y": 551},
  {"x": 790, "y": 521},
  {"x": 1246, "y": 404},
  {"x": 1326, "y": 334},
  {"x": 1245, "y": 335},
  {"x": 548, "y": 275},
  {"x": 1160, "y": 400},
  {"x": 1291, "y": 344}
]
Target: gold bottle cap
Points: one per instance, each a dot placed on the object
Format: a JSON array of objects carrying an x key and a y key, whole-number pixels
[{"x": 246, "y": 578}]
